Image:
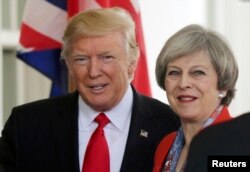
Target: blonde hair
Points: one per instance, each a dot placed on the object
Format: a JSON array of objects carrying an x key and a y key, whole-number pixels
[{"x": 98, "y": 22}]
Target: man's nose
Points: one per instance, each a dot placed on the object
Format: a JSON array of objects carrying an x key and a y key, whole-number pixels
[{"x": 94, "y": 68}]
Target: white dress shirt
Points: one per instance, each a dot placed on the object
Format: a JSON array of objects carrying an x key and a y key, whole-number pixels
[{"x": 116, "y": 132}]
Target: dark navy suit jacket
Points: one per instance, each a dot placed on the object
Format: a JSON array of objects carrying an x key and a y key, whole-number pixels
[
  {"x": 43, "y": 136},
  {"x": 226, "y": 139}
]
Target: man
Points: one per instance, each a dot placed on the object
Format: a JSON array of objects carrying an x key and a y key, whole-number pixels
[
  {"x": 101, "y": 53},
  {"x": 225, "y": 142}
]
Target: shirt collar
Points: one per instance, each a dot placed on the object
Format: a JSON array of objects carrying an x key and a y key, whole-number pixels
[{"x": 119, "y": 115}]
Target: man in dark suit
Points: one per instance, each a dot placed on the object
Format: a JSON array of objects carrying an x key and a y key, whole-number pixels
[
  {"x": 228, "y": 141},
  {"x": 101, "y": 53}
]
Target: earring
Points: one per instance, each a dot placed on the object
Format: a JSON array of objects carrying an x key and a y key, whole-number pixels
[{"x": 221, "y": 95}]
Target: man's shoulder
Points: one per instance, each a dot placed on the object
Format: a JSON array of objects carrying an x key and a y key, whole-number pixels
[
  {"x": 43, "y": 104},
  {"x": 149, "y": 100},
  {"x": 157, "y": 109},
  {"x": 146, "y": 102},
  {"x": 156, "y": 105}
]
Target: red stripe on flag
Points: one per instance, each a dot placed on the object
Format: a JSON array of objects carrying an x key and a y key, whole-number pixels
[
  {"x": 73, "y": 7},
  {"x": 30, "y": 38},
  {"x": 105, "y": 3},
  {"x": 141, "y": 78}
]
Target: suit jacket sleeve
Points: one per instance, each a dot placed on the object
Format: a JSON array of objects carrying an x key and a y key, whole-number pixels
[{"x": 8, "y": 146}]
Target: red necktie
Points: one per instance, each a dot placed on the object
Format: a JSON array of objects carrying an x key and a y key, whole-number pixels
[{"x": 97, "y": 154}]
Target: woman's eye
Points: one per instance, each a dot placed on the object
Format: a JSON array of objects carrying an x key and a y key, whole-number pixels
[
  {"x": 199, "y": 72},
  {"x": 173, "y": 72}
]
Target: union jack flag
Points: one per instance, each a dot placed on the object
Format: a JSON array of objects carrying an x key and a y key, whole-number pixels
[{"x": 42, "y": 29}]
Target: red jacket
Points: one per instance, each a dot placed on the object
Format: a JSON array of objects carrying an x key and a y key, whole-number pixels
[{"x": 167, "y": 141}]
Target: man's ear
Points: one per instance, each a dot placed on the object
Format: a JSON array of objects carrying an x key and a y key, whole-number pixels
[{"x": 132, "y": 67}]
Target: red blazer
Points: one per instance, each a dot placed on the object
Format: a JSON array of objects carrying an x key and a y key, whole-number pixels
[{"x": 167, "y": 141}]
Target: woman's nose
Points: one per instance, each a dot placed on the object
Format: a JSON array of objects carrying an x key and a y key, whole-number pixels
[{"x": 185, "y": 82}]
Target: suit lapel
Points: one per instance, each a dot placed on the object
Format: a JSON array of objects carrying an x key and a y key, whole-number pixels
[
  {"x": 139, "y": 134},
  {"x": 65, "y": 128}
]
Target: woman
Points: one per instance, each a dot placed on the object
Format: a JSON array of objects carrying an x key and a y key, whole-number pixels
[{"x": 198, "y": 71}]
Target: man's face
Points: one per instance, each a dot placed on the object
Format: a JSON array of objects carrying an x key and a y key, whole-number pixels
[{"x": 101, "y": 69}]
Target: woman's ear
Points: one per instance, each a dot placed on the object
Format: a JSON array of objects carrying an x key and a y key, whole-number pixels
[{"x": 222, "y": 94}]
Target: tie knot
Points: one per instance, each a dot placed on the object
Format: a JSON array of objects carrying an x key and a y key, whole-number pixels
[{"x": 102, "y": 120}]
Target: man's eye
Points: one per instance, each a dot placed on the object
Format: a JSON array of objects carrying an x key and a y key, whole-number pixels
[
  {"x": 81, "y": 60},
  {"x": 107, "y": 58}
]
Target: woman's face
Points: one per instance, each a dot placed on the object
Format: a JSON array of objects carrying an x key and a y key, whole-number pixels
[{"x": 191, "y": 87}]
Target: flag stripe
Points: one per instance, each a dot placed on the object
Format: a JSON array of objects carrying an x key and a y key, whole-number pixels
[
  {"x": 42, "y": 28},
  {"x": 38, "y": 41},
  {"x": 135, "y": 4},
  {"x": 43, "y": 62},
  {"x": 73, "y": 7},
  {"x": 45, "y": 18},
  {"x": 88, "y": 4},
  {"x": 59, "y": 3}
]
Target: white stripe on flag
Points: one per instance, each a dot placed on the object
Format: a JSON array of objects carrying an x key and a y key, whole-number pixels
[
  {"x": 136, "y": 6},
  {"x": 88, "y": 4},
  {"x": 45, "y": 18}
]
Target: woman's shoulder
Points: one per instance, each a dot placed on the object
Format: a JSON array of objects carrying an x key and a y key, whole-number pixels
[{"x": 162, "y": 149}]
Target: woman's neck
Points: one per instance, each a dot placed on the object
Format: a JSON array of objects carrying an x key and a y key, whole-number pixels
[{"x": 190, "y": 130}]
